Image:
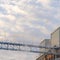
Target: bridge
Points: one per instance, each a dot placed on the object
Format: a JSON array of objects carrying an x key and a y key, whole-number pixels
[{"x": 25, "y": 47}]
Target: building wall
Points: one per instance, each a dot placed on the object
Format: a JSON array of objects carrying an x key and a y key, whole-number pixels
[
  {"x": 50, "y": 56},
  {"x": 57, "y": 59},
  {"x": 41, "y": 57},
  {"x": 55, "y": 38},
  {"x": 42, "y": 49},
  {"x": 46, "y": 57},
  {"x": 55, "y": 41},
  {"x": 45, "y": 43}
]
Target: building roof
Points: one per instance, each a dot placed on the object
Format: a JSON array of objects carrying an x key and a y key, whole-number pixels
[{"x": 55, "y": 30}]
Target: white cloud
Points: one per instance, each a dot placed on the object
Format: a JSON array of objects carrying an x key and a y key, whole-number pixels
[
  {"x": 17, "y": 28},
  {"x": 29, "y": 15},
  {"x": 2, "y": 23},
  {"x": 46, "y": 21},
  {"x": 13, "y": 9},
  {"x": 44, "y": 2},
  {"x": 16, "y": 9},
  {"x": 43, "y": 29},
  {"x": 10, "y": 17}
]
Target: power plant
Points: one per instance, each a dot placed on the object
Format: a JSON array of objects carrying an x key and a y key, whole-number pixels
[{"x": 54, "y": 42}]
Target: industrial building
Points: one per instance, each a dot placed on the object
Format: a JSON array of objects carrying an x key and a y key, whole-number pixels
[
  {"x": 53, "y": 42},
  {"x": 45, "y": 43},
  {"x": 55, "y": 38}
]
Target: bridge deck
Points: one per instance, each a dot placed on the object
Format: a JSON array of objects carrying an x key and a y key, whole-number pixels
[{"x": 24, "y": 47}]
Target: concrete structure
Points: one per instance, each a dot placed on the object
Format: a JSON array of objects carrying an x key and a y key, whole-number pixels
[
  {"x": 50, "y": 56},
  {"x": 57, "y": 59},
  {"x": 54, "y": 42},
  {"x": 46, "y": 57},
  {"x": 55, "y": 38},
  {"x": 41, "y": 57},
  {"x": 45, "y": 43}
]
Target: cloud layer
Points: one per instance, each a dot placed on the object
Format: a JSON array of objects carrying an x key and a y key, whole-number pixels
[{"x": 28, "y": 20}]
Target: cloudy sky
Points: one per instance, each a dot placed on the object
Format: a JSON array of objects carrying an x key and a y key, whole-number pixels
[{"x": 27, "y": 21}]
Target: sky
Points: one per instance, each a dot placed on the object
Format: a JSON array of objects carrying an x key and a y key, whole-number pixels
[{"x": 27, "y": 21}]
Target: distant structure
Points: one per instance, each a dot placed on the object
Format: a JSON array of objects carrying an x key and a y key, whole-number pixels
[
  {"x": 55, "y": 38},
  {"x": 46, "y": 43},
  {"x": 53, "y": 42}
]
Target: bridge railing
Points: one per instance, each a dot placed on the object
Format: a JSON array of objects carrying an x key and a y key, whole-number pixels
[{"x": 25, "y": 47}]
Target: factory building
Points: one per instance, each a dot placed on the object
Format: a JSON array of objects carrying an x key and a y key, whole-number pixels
[
  {"x": 45, "y": 43},
  {"x": 55, "y": 38},
  {"x": 53, "y": 42}
]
